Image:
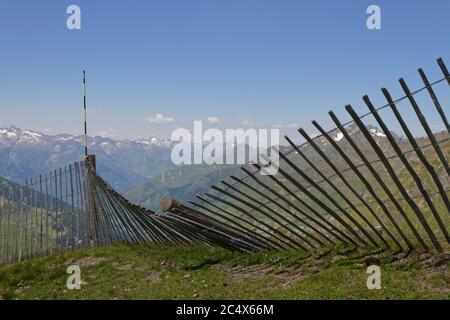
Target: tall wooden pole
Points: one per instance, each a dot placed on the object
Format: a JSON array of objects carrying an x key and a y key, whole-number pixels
[
  {"x": 92, "y": 219},
  {"x": 92, "y": 222}
]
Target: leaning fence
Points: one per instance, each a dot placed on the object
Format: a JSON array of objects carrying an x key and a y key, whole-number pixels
[
  {"x": 73, "y": 207},
  {"x": 45, "y": 214},
  {"x": 358, "y": 184}
]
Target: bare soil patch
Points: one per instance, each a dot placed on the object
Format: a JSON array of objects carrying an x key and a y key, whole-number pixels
[{"x": 89, "y": 261}]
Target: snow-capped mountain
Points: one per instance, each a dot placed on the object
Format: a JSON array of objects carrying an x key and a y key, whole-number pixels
[
  {"x": 358, "y": 137},
  {"x": 123, "y": 162},
  {"x": 14, "y": 135},
  {"x": 355, "y": 133}
]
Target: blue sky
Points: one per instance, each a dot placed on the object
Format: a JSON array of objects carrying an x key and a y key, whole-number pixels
[{"x": 261, "y": 62}]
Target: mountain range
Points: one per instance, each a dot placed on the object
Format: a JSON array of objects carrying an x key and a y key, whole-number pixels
[
  {"x": 122, "y": 162},
  {"x": 184, "y": 183},
  {"x": 141, "y": 168}
]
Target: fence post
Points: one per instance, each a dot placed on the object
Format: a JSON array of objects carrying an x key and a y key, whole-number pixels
[{"x": 92, "y": 218}]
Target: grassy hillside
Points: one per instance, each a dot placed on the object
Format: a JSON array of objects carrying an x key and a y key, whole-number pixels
[
  {"x": 153, "y": 272},
  {"x": 44, "y": 226}
]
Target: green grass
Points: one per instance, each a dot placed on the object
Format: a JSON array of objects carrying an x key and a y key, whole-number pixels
[{"x": 155, "y": 272}]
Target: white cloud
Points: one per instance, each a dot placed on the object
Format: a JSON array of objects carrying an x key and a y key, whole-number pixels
[
  {"x": 159, "y": 118},
  {"x": 248, "y": 123},
  {"x": 287, "y": 125},
  {"x": 112, "y": 133},
  {"x": 213, "y": 120}
]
